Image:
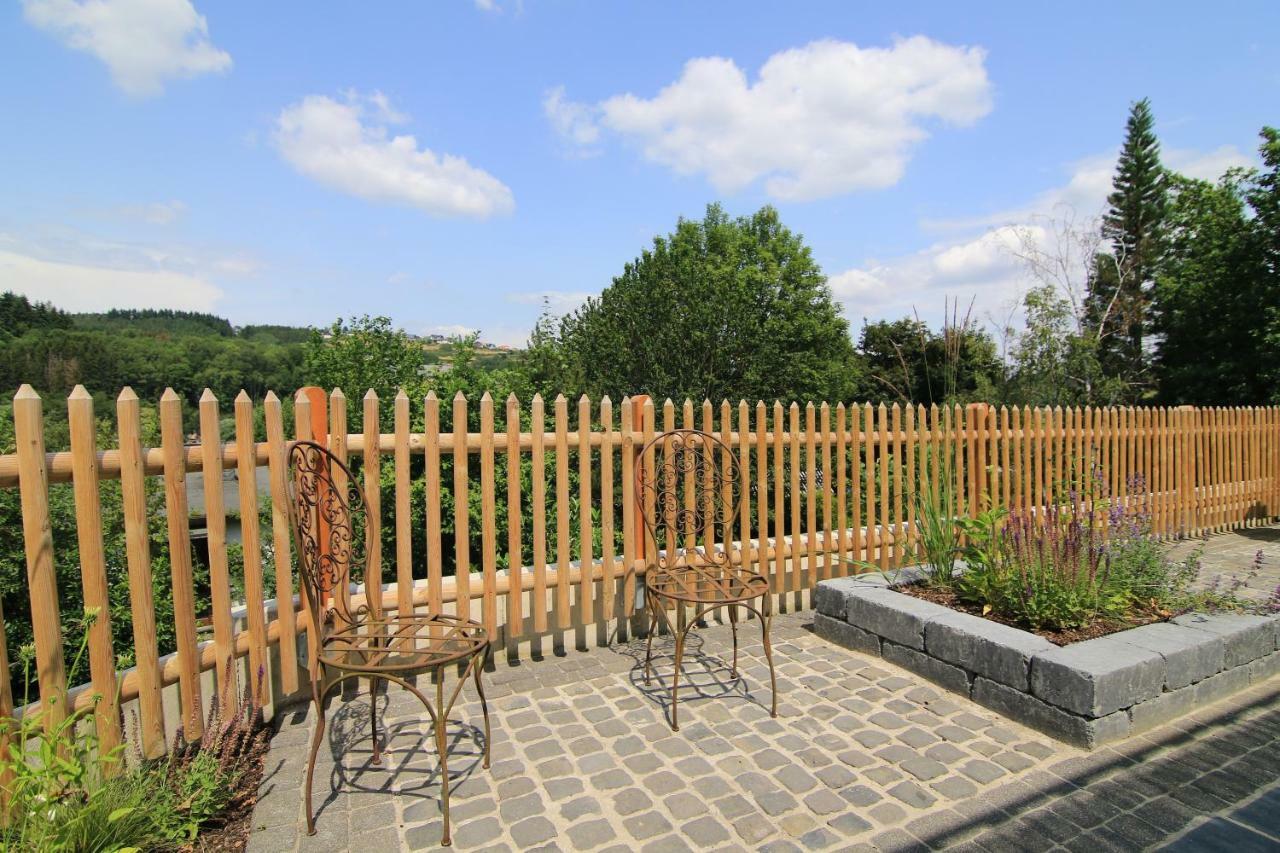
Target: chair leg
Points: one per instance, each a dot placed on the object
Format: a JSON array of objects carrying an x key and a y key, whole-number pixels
[
  {"x": 484, "y": 706},
  {"x": 443, "y": 749},
  {"x": 765, "y": 619},
  {"x": 373, "y": 714},
  {"x": 317, "y": 698},
  {"x": 648, "y": 642},
  {"x": 675, "y": 677},
  {"x": 733, "y": 623}
]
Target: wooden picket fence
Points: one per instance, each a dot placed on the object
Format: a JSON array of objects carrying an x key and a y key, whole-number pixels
[{"x": 829, "y": 492}]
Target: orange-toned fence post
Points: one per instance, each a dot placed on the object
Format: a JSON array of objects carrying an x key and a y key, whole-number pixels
[{"x": 319, "y": 421}]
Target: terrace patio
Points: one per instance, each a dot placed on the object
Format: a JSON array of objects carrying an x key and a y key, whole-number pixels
[{"x": 863, "y": 755}]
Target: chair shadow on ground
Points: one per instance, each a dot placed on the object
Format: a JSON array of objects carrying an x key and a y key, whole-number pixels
[
  {"x": 703, "y": 676},
  {"x": 410, "y": 766}
]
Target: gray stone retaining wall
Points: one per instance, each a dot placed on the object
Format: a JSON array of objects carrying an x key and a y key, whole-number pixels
[{"x": 1087, "y": 693}]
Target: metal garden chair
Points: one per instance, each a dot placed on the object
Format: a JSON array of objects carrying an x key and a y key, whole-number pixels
[
  {"x": 329, "y": 516},
  {"x": 689, "y": 488}
]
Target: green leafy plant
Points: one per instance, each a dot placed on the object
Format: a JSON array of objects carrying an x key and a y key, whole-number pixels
[{"x": 62, "y": 793}]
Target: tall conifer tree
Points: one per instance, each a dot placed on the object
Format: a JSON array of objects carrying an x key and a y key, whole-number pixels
[{"x": 1120, "y": 305}]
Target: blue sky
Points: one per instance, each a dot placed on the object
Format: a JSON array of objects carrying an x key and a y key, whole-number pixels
[{"x": 449, "y": 164}]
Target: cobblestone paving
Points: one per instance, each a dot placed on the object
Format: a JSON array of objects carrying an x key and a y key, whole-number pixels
[
  {"x": 1228, "y": 558},
  {"x": 858, "y": 747},
  {"x": 863, "y": 755}
]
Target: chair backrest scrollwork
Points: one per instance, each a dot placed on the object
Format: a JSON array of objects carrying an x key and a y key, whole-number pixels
[
  {"x": 688, "y": 489},
  {"x": 329, "y": 517}
]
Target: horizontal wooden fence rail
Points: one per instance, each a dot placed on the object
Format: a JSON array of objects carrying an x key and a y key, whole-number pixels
[{"x": 529, "y": 522}]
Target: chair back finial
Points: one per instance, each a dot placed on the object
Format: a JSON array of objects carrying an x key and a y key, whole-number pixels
[
  {"x": 331, "y": 530},
  {"x": 689, "y": 489}
]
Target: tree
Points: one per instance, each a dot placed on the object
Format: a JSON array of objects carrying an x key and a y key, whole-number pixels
[
  {"x": 1134, "y": 225},
  {"x": 719, "y": 309},
  {"x": 1055, "y": 356},
  {"x": 1216, "y": 306},
  {"x": 361, "y": 354},
  {"x": 914, "y": 364}
]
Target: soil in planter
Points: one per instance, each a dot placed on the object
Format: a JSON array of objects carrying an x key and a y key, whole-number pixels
[{"x": 1097, "y": 628}]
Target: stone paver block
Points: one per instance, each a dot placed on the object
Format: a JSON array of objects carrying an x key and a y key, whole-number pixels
[
  {"x": 1223, "y": 684},
  {"x": 532, "y": 831},
  {"x": 631, "y": 801},
  {"x": 1264, "y": 668},
  {"x": 843, "y": 634},
  {"x": 1188, "y": 654},
  {"x": 892, "y": 615},
  {"x": 705, "y": 832},
  {"x": 647, "y": 825},
  {"x": 1247, "y": 637},
  {"x": 824, "y": 802},
  {"x": 951, "y": 677},
  {"x": 1097, "y": 677},
  {"x": 1073, "y": 728},
  {"x": 591, "y": 834},
  {"x": 988, "y": 648}
]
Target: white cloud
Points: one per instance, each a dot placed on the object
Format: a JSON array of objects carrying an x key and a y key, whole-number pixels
[
  {"x": 558, "y": 301},
  {"x": 346, "y": 146},
  {"x": 142, "y": 42},
  {"x": 979, "y": 263},
  {"x": 820, "y": 120},
  {"x": 83, "y": 287},
  {"x": 573, "y": 122},
  {"x": 155, "y": 213}
]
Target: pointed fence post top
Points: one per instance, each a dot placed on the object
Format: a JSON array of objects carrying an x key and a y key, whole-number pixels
[
  {"x": 79, "y": 393},
  {"x": 243, "y": 397},
  {"x": 271, "y": 397},
  {"x": 337, "y": 394},
  {"x": 371, "y": 395},
  {"x": 169, "y": 396},
  {"x": 207, "y": 396},
  {"x": 127, "y": 395}
]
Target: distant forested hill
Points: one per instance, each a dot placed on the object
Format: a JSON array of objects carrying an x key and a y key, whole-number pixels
[
  {"x": 148, "y": 350},
  {"x": 164, "y": 321}
]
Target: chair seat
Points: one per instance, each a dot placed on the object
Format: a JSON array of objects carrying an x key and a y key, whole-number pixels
[
  {"x": 710, "y": 584},
  {"x": 393, "y": 643}
]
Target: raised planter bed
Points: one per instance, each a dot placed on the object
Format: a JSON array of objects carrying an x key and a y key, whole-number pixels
[{"x": 1088, "y": 693}]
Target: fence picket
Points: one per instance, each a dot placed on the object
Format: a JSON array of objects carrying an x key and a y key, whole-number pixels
[
  {"x": 586, "y": 558},
  {"x": 138, "y": 558},
  {"x": 93, "y": 571},
  {"x": 251, "y": 538},
  {"x": 515, "y": 553},
  {"x": 827, "y": 542},
  {"x": 281, "y": 539},
  {"x": 562, "y": 512},
  {"x": 176, "y": 515},
  {"x": 216, "y": 529},
  {"x": 608, "y": 570},
  {"x": 431, "y": 485},
  {"x": 537, "y": 425},
  {"x": 810, "y": 494}
]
